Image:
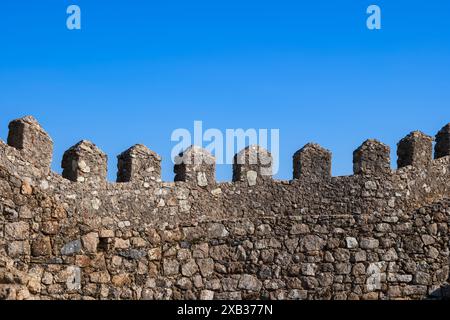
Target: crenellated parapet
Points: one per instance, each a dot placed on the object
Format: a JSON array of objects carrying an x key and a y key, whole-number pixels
[
  {"x": 138, "y": 164},
  {"x": 195, "y": 165},
  {"x": 381, "y": 233},
  {"x": 27, "y": 135},
  {"x": 442, "y": 148},
  {"x": 416, "y": 149},
  {"x": 372, "y": 158},
  {"x": 312, "y": 162},
  {"x": 86, "y": 164},
  {"x": 253, "y": 165}
]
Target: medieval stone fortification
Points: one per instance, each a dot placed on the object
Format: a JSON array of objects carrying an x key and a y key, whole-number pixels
[{"x": 378, "y": 234}]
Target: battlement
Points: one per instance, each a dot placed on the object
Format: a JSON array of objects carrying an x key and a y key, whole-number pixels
[
  {"x": 380, "y": 233},
  {"x": 86, "y": 163},
  {"x": 27, "y": 135}
]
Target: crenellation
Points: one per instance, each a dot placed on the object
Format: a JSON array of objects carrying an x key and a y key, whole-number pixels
[
  {"x": 312, "y": 162},
  {"x": 27, "y": 135},
  {"x": 378, "y": 234},
  {"x": 442, "y": 147},
  {"x": 139, "y": 164},
  {"x": 253, "y": 165},
  {"x": 85, "y": 163},
  {"x": 372, "y": 158},
  {"x": 416, "y": 149},
  {"x": 196, "y": 165}
]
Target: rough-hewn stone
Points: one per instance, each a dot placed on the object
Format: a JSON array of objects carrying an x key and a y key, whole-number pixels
[
  {"x": 27, "y": 135},
  {"x": 139, "y": 164},
  {"x": 372, "y": 158},
  {"x": 312, "y": 162},
  {"x": 253, "y": 165},
  {"x": 196, "y": 165},
  {"x": 416, "y": 149},
  {"x": 442, "y": 147},
  {"x": 378, "y": 234},
  {"x": 85, "y": 163}
]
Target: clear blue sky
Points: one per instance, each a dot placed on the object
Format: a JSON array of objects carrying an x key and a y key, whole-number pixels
[{"x": 140, "y": 69}]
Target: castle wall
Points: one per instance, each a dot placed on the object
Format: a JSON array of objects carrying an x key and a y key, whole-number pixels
[{"x": 378, "y": 234}]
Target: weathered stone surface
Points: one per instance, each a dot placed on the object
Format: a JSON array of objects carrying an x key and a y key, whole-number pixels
[
  {"x": 41, "y": 247},
  {"x": 442, "y": 147},
  {"x": 27, "y": 135},
  {"x": 121, "y": 244},
  {"x": 17, "y": 231},
  {"x": 312, "y": 243},
  {"x": 90, "y": 242},
  {"x": 379, "y": 234},
  {"x": 207, "y": 295},
  {"x": 50, "y": 228},
  {"x": 26, "y": 188},
  {"x": 100, "y": 277},
  {"x": 85, "y": 163},
  {"x": 132, "y": 254},
  {"x": 369, "y": 243},
  {"x": 254, "y": 164},
  {"x": 352, "y": 243},
  {"x": 171, "y": 267},
  {"x": 154, "y": 254},
  {"x": 190, "y": 268},
  {"x": 71, "y": 248},
  {"x": 372, "y": 158},
  {"x": 217, "y": 230},
  {"x": 312, "y": 162},
  {"x": 197, "y": 166},
  {"x": 18, "y": 248},
  {"x": 206, "y": 267},
  {"x": 121, "y": 280},
  {"x": 416, "y": 149},
  {"x": 139, "y": 164},
  {"x": 250, "y": 283}
]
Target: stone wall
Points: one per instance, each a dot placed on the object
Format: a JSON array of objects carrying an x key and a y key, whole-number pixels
[{"x": 378, "y": 234}]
